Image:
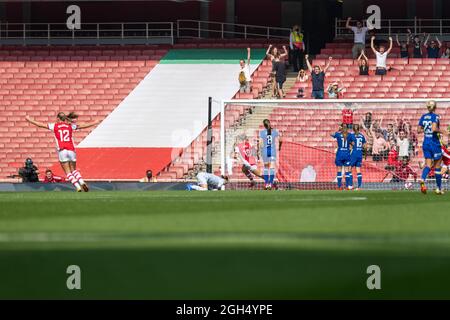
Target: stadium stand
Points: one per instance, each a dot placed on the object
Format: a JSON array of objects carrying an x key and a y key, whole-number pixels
[
  {"x": 151, "y": 123},
  {"x": 409, "y": 78},
  {"x": 40, "y": 81}
]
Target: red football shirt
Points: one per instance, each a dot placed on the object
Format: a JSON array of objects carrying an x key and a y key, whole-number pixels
[
  {"x": 53, "y": 179},
  {"x": 392, "y": 157},
  {"x": 347, "y": 116},
  {"x": 245, "y": 151},
  {"x": 63, "y": 135},
  {"x": 445, "y": 156},
  {"x": 403, "y": 172}
]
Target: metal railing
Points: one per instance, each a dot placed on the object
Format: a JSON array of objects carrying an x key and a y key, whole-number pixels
[
  {"x": 389, "y": 27},
  {"x": 222, "y": 30},
  {"x": 90, "y": 33}
]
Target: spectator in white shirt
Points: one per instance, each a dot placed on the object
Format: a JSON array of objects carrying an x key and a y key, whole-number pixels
[
  {"x": 360, "y": 37},
  {"x": 403, "y": 144},
  {"x": 297, "y": 48},
  {"x": 244, "y": 74},
  {"x": 381, "y": 56}
]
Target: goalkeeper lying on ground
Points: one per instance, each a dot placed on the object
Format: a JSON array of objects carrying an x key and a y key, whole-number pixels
[{"x": 208, "y": 181}]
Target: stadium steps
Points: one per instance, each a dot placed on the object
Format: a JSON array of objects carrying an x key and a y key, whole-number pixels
[{"x": 41, "y": 81}]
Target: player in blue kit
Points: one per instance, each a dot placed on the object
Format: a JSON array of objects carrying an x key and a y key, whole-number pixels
[
  {"x": 343, "y": 139},
  {"x": 358, "y": 142},
  {"x": 432, "y": 152},
  {"x": 268, "y": 148}
]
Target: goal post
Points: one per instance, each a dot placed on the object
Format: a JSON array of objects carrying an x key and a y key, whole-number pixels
[{"x": 392, "y": 156}]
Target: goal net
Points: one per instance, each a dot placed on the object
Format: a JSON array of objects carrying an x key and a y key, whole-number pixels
[{"x": 392, "y": 157}]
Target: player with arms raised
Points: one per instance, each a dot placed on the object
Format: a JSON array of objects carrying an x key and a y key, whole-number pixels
[
  {"x": 358, "y": 142},
  {"x": 63, "y": 129},
  {"x": 244, "y": 152},
  {"x": 429, "y": 126},
  {"x": 343, "y": 139},
  {"x": 268, "y": 147}
]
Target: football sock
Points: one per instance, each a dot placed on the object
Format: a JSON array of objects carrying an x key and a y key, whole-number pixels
[
  {"x": 248, "y": 174},
  {"x": 359, "y": 180},
  {"x": 339, "y": 179},
  {"x": 271, "y": 175},
  {"x": 72, "y": 180},
  {"x": 425, "y": 173},
  {"x": 350, "y": 179},
  {"x": 266, "y": 175},
  {"x": 347, "y": 179},
  {"x": 76, "y": 174}
]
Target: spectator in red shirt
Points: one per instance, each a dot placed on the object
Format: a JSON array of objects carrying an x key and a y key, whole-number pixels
[
  {"x": 393, "y": 156},
  {"x": 347, "y": 116},
  {"x": 51, "y": 178},
  {"x": 402, "y": 171}
]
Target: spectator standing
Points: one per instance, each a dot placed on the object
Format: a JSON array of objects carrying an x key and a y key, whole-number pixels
[
  {"x": 380, "y": 146},
  {"x": 381, "y": 55},
  {"x": 434, "y": 47},
  {"x": 392, "y": 158},
  {"x": 403, "y": 144},
  {"x": 317, "y": 78},
  {"x": 404, "y": 47},
  {"x": 417, "y": 46},
  {"x": 51, "y": 178},
  {"x": 280, "y": 74},
  {"x": 412, "y": 138},
  {"x": 245, "y": 79},
  {"x": 367, "y": 122},
  {"x": 446, "y": 54},
  {"x": 359, "y": 40},
  {"x": 274, "y": 57},
  {"x": 390, "y": 134},
  {"x": 297, "y": 46},
  {"x": 363, "y": 62}
]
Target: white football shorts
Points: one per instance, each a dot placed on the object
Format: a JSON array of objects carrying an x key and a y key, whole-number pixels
[{"x": 67, "y": 155}]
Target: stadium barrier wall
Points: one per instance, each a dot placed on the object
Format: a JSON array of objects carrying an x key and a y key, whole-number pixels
[{"x": 94, "y": 186}]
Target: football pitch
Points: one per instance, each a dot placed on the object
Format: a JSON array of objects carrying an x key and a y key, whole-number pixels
[{"x": 225, "y": 245}]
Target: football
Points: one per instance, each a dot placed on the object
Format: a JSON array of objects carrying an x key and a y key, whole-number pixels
[{"x": 408, "y": 185}]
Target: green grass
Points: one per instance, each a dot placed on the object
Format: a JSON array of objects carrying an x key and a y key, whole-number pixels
[{"x": 224, "y": 245}]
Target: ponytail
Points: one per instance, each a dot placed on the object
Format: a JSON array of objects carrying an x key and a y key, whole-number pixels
[
  {"x": 61, "y": 116},
  {"x": 266, "y": 124},
  {"x": 72, "y": 116}
]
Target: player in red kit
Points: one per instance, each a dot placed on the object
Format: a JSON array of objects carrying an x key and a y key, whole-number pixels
[
  {"x": 63, "y": 130},
  {"x": 244, "y": 151},
  {"x": 445, "y": 160}
]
